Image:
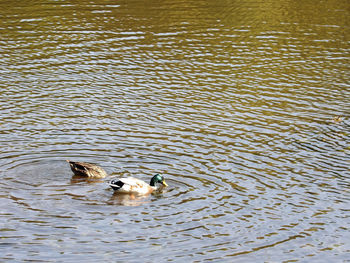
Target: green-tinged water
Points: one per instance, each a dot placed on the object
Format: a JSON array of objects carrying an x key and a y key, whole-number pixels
[{"x": 235, "y": 102}]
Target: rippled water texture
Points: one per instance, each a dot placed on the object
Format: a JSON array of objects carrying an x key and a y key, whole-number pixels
[{"x": 242, "y": 105}]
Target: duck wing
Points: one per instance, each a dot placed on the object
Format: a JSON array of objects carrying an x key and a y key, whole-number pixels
[{"x": 130, "y": 185}]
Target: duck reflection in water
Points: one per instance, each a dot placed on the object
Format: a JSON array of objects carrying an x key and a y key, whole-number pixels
[{"x": 128, "y": 199}]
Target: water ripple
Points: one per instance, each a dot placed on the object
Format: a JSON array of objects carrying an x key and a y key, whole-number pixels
[{"x": 235, "y": 103}]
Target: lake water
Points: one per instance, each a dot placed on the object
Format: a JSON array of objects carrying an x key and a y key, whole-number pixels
[{"x": 242, "y": 105}]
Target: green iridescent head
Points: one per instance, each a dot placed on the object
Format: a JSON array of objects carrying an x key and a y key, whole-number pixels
[{"x": 158, "y": 179}]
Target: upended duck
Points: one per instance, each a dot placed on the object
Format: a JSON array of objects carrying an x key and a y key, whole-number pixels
[
  {"x": 131, "y": 185},
  {"x": 87, "y": 169}
]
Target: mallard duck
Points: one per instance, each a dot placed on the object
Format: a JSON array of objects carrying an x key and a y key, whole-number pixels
[
  {"x": 87, "y": 169},
  {"x": 131, "y": 185}
]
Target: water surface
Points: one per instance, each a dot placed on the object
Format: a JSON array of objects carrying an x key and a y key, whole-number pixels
[{"x": 236, "y": 103}]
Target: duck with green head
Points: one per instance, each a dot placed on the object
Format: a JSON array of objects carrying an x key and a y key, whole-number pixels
[{"x": 131, "y": 185}]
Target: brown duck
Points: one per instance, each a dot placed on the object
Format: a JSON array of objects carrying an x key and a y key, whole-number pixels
[{"x": 87, "y": 169}]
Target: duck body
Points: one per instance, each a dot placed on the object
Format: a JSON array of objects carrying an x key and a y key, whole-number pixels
[
  {"x": 87, "y": 169},
  {"x": 131, "y": 185}
]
